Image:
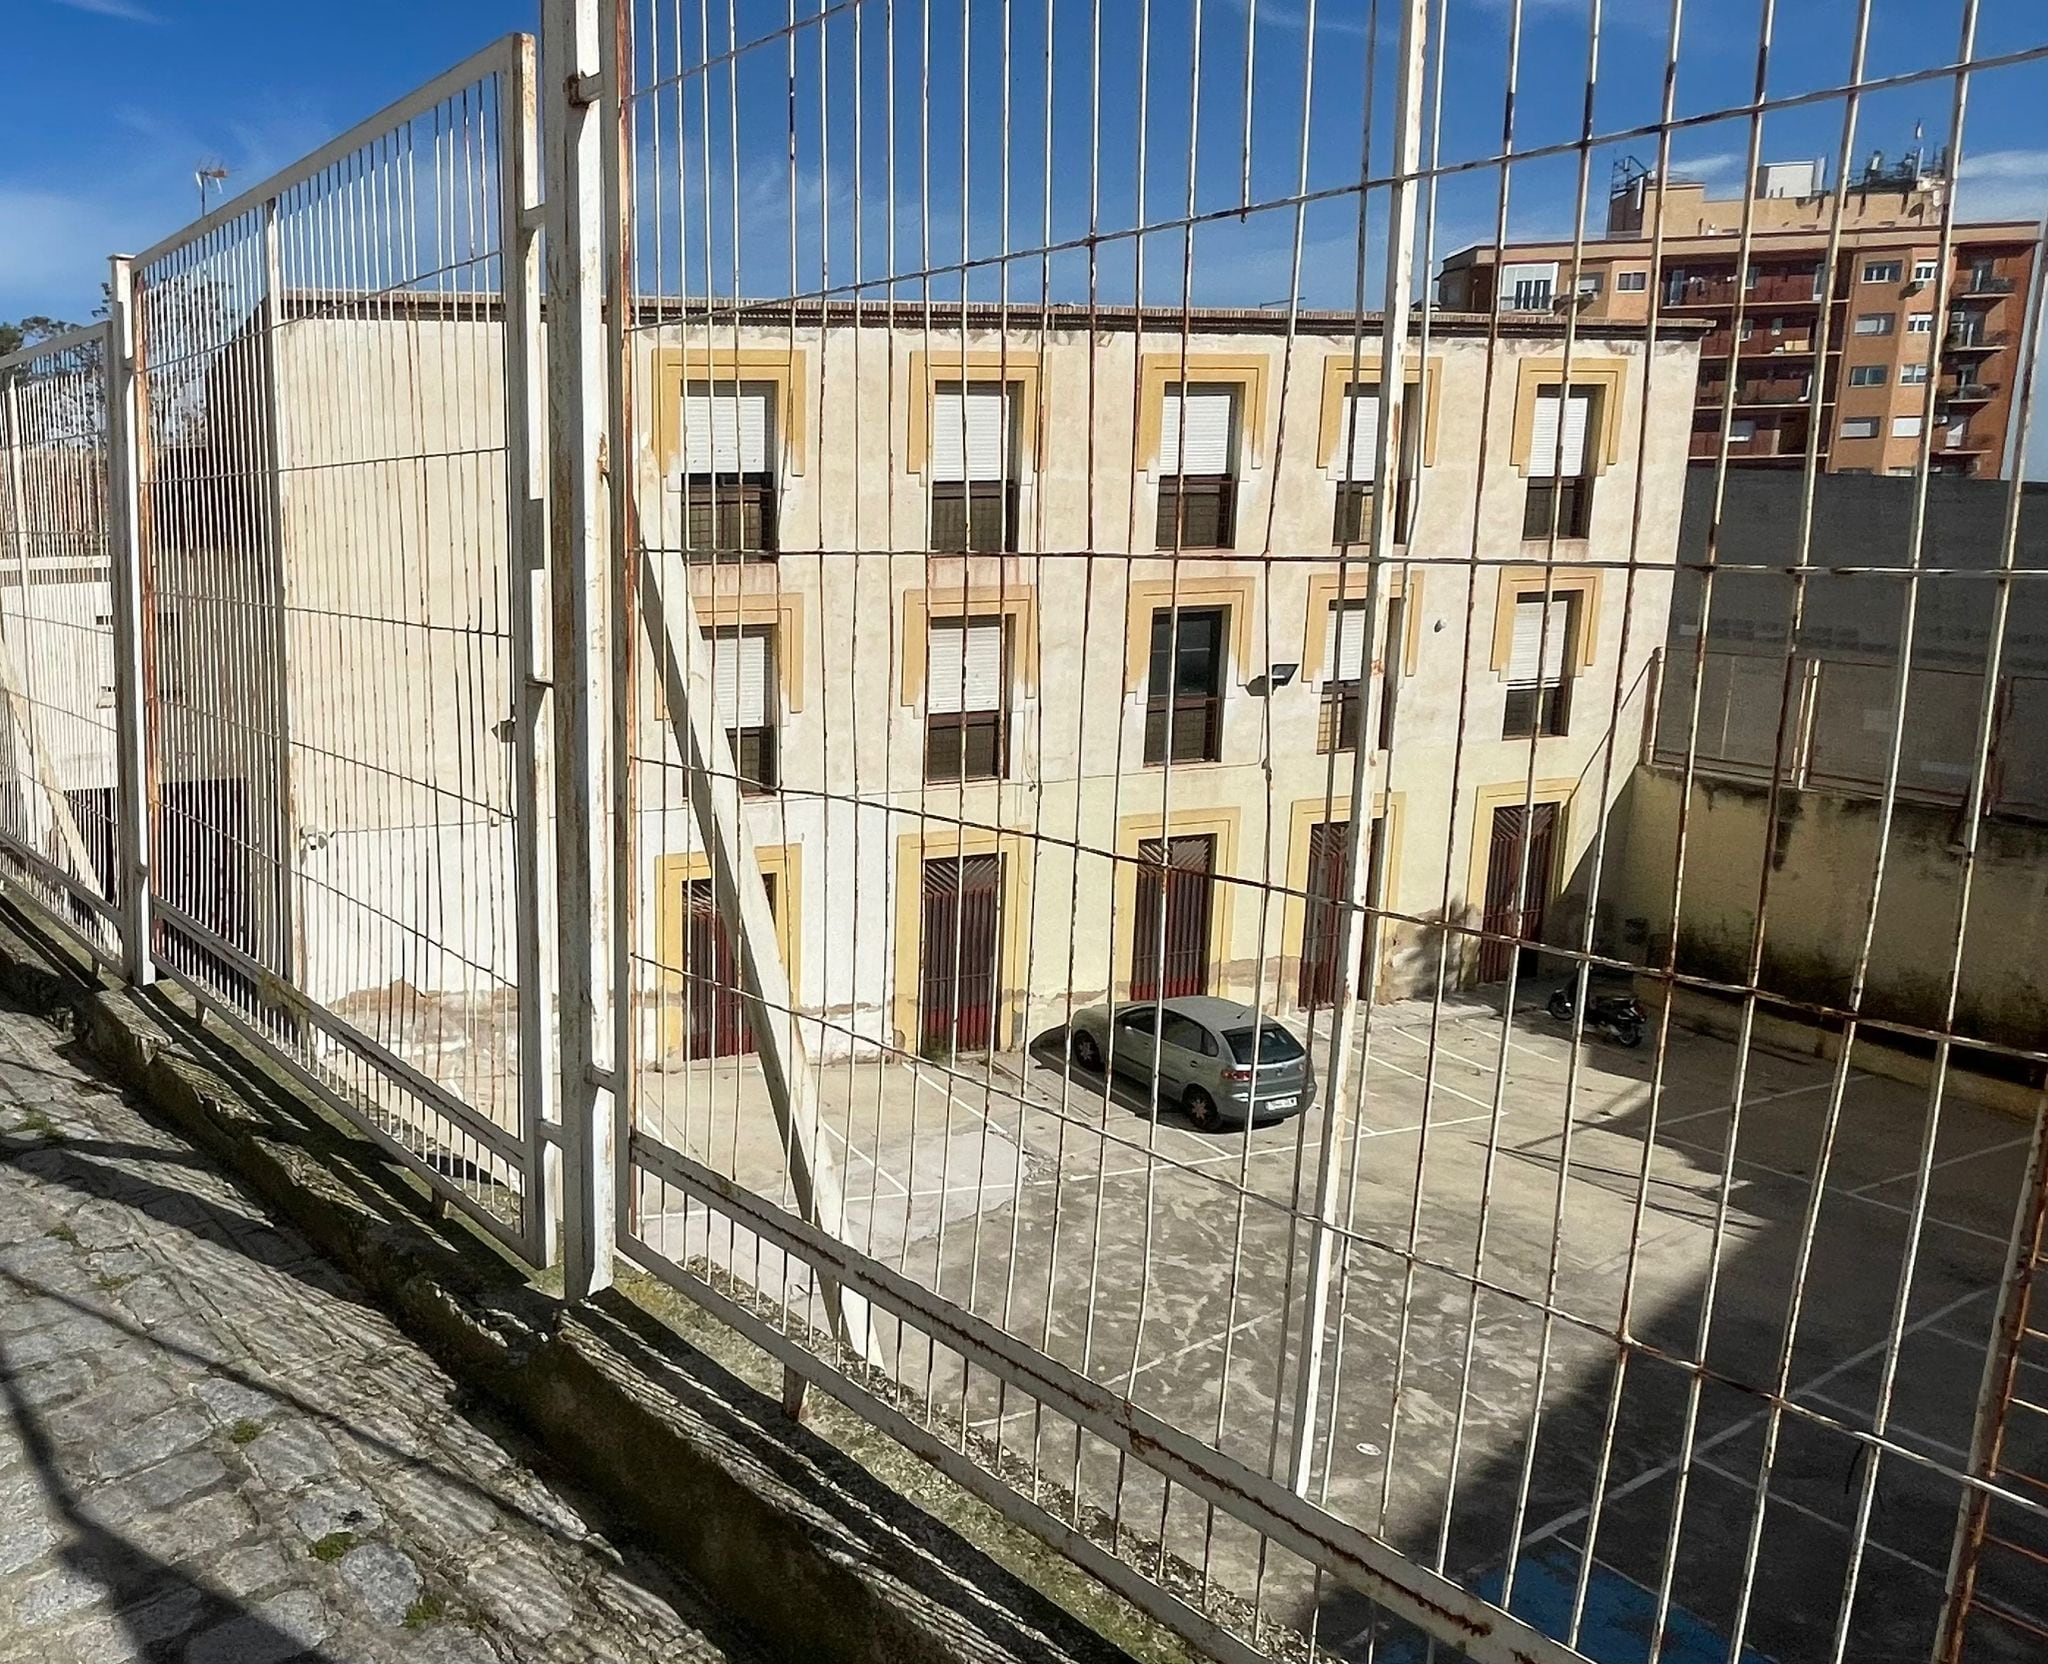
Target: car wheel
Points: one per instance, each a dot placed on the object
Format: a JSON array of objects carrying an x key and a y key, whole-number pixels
[
  {"x": 1201, "y": 1109},
  {"x": 1086, "y": 1052}
]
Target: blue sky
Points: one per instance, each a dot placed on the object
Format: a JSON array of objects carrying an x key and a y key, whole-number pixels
[{"x": 121, "y": 99}]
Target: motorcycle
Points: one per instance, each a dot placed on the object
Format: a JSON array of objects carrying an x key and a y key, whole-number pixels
[{"x": 1618, "y": 1016}]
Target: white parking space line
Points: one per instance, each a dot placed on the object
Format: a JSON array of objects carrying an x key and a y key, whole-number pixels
[
  {"x": 1735, "y": 1429},
  {"x": 1779, "y": 1501},
  {"x": 2019, "y": 1143}
]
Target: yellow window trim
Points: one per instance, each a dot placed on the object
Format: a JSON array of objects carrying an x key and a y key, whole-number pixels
[
  {"x": 1018, "y": 605},
  {"x": 1609, "y": 376},
  {"x": 1161, "y": 370},
  {"x": 913, "y": 849},
  {"x": 1518, "y": 581},
  {"x": 1147, "y": 595},
  {"x": 1339, "y": 378},
  {"x": 1224, "y": 826},
  {"x": 722, "y": 604},
  {"x": 674, "y": 367},
  {"x": 783, "y": 862},
  {"x": 1402, "y": 584},
  {"x": 1020, "y": 367},
  {"x": 1303, "y": 817}
]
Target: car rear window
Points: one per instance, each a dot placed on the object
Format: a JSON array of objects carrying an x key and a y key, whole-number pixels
[{"x": 1276, "y": 1045}]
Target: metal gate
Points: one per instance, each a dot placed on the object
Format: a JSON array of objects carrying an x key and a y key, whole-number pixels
[
  {"x": 958, "y": 946},
  {"x": 334, "y": 385},
  {"x": 1519, "y": 859},
  {"x": 1170, "y": 925},
  {"x": 61, "y": 781}
]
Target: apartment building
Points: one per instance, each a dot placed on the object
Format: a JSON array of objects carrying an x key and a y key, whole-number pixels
[
  {"x": 1896, "y": 321},
  {"x": 1041, "y": 642}
]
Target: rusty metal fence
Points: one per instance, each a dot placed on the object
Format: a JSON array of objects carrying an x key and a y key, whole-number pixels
[{"x": 1106, "y": 743}]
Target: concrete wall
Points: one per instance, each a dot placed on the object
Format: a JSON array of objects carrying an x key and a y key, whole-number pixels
[{"x": 1821, "y": 855}]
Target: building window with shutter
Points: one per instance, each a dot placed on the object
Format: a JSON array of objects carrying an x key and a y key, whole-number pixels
[
  {"x": 966, "y": 700},
  {"x": 743, "y": 678},
  {"x": 1560, "y": 484},
  {"x": 974, "y": 467},
  {"x": 1539, "y": 681},
  {"x": 728, "y": 483},
  {"x": 1344, "y": 644},
  {"x": 1198, "y": 467},
  {"x": 1184, "y": 705}
]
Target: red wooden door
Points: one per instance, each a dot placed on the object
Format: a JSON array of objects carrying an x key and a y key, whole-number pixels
[
  {"x": 1505, "y": 913},
  {"x": 715, "y": 1009},
  {"x": 1323, "y": 920},
  {"x": 962, "y": 924},
  {"x": 1176, "y": 883}
]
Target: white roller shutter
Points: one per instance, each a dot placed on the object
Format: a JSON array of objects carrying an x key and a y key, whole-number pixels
[
  {"x": 1344, "y": 643},
  {"x": 966, "y": 670},
  {"x": 741, "y": 675},
  {"x": 971, "y": 434},
  {"x": 1544, "y": 448},
  {"x": 726, "y": 429},
  {"x": 1358, "y": 444},
  {"x": 1530, "y": 645},
  {"x": 1204, "y": 444}
]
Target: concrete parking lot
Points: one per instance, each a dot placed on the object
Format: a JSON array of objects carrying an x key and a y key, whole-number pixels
[{"x": 1472, "y": 1391}]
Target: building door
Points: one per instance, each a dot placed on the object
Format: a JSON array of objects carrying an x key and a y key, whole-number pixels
[
  {"x": 962, "y": 926},
  {"x": 1323, "y": 920},
  {"x": 1513, "y": 828},
  {"x": 715, "y": 1009},
  {"x": 1176, "y": 881}
]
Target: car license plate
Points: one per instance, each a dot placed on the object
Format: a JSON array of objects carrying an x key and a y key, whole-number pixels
[{"x": 1278, "y": 1104}]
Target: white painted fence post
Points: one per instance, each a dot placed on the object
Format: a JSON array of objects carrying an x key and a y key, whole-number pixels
[{"x": 125, "y": 436}]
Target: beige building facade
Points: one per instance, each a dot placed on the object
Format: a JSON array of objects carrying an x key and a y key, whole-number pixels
[{"x": 1007, "y": 748}]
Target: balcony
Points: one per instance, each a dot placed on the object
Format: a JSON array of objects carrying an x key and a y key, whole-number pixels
[
  {"x": 1985, "y": 288},
  {"x": 1722, "y": 292},
  {"x": 1969, "y": 392},
  {"x": 1962, "y": 444},
  {"x": 1759, "y": 345},
  {"x": 1975, "y": 340}
]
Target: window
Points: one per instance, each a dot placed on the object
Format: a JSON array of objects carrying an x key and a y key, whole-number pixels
[
  {"x": 1749, "y": 279},
  {"x": 966, "y": 703},
  {"x": 1908, "y": 427},
  {"x": 1558, "y": 482},
  {"x": 1742, "y": 429},
  {"x": 1874, "y": 323},
  {"x": 974, "y": 467},
  {"x": 1184, "y": 1032},
  {"x": 1357, "y": 457},
  {"x": 1859, "y": 427},
  {"x": 1631, "y": 283},
  {"x": 1923, "y": 271},
  {"x": 1913, "y": 375},
  {"x": 1528, "y": 288},
  {"x": 1186, "y": 687},
  {"x": 728, "y": 490},
  {"x": 1344, "y": 644},
  {"x": 1881, "y": 271},
  {"x": 1748, "y": 328},
  {"x": 743, "y": 681},
  {"x": 1197, "y": 461},
  {"x": 1539, "y": 687},
  {"x": 1919, "y": 323},
  {"x": 1866, "y": 375}
]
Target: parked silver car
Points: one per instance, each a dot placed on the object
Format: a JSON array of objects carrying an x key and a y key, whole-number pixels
[{"x": 1207, "y": 1052}]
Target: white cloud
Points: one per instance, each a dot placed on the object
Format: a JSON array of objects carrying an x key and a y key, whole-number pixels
[
  {"x": 1333, "y": 17},
  {"x": 125, "y": 10},
  {"x": 1716, "y": 166},
  {"x": 2003, "y": 185}
]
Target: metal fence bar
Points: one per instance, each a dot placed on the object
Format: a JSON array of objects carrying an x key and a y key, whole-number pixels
[{"x": 132, "y": 626}]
